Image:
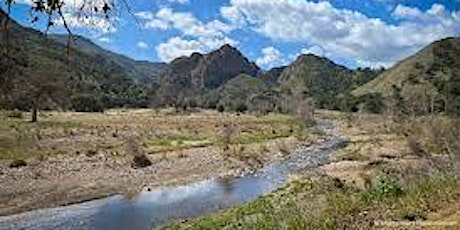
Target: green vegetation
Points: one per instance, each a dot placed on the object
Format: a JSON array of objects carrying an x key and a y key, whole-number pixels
[
  {"x": 418, "y": 101},
  {"x": 37, "y": 73},
  {"x": 427, "y": 82},
  {"x": 323, "y": 80},
  {"x": 325, "y": 203}
]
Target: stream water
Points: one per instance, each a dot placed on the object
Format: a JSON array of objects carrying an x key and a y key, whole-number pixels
[{"x": 150, "y": 209}]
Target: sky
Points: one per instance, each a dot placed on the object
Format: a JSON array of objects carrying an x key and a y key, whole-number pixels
[{"x": 354, "y": 33}]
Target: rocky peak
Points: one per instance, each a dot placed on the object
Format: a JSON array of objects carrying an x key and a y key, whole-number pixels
[
  {"x": 210, "y": 70},
  {"x": 228, "y": 50}
]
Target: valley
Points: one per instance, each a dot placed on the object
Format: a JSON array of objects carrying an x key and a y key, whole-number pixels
[{"x": 94, "y": 139}]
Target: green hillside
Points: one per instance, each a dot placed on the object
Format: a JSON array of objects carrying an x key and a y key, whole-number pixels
[
  {"x": 318, "y": 77},
  {"x": 144, "y": 71},
  {"x": 38, "y": 71},
  {"x": 431, "y": 74}
]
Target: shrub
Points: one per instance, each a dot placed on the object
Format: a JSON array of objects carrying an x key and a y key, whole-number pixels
[
  {"x": 386, "y": 187},
  {"x": 140, "y": 160},
  {"x": 91, "y": 153},
  {"x": 14, "y": 114},
  {"x": 18, "y": 163},
  {"x": 436, "y": 135},
  {"x": 226, "y": 134},
  {"x": 241, "y": 107},
  {"x": 372, "y": 103},
  {"x": 220, "y": 108},
  {"x": 87, "y": 103}
]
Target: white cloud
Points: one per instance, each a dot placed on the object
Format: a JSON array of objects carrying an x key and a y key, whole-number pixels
[
  {"x": 234, "y": 15},
  {"x": 185, "y": 22},
  {"x": 105, "y": 39},
  {"x": 405, "y": 12},
  {"x": 177, "y": 47},
  {"x": 98, "y": 24},
  {"x": 142, "y": 45},
  {"x": 342, "y": 32},
  {"x": 179, "y": 1},
  {"x": 81, "y": 14},
  {"x": 202, "y": 36},
  {"x": 271, "y": 57},
  {"x": 157, "y": 24}
]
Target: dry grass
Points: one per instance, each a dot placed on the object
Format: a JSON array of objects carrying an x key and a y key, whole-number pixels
[
  {"x": 106, "y": 133},
  {"x": 433, "y": 135}
]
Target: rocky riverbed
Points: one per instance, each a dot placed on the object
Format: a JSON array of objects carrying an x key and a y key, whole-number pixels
[{"x": 181, "y": 201}]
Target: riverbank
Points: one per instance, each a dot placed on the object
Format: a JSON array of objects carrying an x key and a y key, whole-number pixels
[
  {"x": 158, "y": 206},
  {"x": 378, "y": 181},
  {"x": 83, "y": 156}
]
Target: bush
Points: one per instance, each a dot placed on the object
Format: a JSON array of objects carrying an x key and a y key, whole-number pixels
[
  {"x": 18, "y": 164},
  {"x": 226, "y": 135},
  {"x": 372, "y": 103},
  {"x": 436, "y": 135},
  {"x": 220, "y": 108},
  {"x": 87, "y": 103},
  {"x": 14, "y": 114},
  {"x": 140, "y": 160},
  {"x": 241, "y": 107},
  {"x": 386, "y": 187}
]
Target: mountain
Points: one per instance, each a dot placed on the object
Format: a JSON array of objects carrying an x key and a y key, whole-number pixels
[
  {"x": 241, "y": 87},
  {"x": 37, "y": 70},
  {"x": 226, "y": 78},
  {"x": 209, "y": 70},
  {"x": 239, "y": 93},
  {"x": 438, "y": 61},
  {"x": 432, "y": 72},
  {"x": 144, "y": 71},
  {"x": 272, "y": 75},
  {"x": 91, "y": 76},
  {"x": 317, "y": 77}
]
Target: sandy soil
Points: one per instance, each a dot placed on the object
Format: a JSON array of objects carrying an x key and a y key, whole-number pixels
[{"x": 64, "y": 179}]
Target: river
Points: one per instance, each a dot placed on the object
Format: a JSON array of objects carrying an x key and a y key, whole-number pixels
[{"x": 150, "y": 209}]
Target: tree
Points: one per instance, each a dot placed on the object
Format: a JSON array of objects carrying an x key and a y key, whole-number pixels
[
  {"x": 419, "y": 98},
  {"x": 87, "y": 103},
  {"x": 262, "y": 102},
  {"x": 9, "y": 67},
  {"x": 394, "y": 104},
  {"x": 56, "y": 11},
  {"x": 42, "y": 91}
]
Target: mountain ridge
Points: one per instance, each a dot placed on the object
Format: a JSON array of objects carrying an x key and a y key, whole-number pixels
[
  {"x": 144, "y": 71},
  {"x": 209, "y": 70},
  {"x": 84, "y": 82}
]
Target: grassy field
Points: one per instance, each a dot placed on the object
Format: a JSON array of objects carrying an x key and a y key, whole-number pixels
[{"x": 154, "y": 132}]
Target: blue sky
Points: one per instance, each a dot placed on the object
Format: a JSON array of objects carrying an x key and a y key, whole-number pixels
[{"x": 270, "y": 32}]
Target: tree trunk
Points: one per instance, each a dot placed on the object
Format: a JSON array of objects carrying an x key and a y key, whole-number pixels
[{"x": 34, "y": 113}]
